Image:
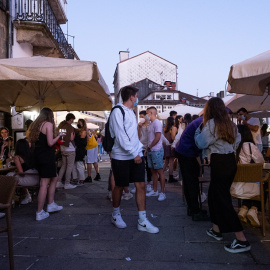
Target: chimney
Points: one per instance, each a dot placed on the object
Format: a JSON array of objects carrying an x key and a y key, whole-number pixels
[
  {"x": 123, "y": 55},
  {"x": 168, "y": 84},
  {"x": 173, "y": 84}
]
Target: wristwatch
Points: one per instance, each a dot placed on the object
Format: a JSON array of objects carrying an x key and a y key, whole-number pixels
[{"x": 148, "y": 149}]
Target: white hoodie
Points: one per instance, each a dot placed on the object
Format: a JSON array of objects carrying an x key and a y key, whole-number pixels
[{"x": 125, "y": 147}]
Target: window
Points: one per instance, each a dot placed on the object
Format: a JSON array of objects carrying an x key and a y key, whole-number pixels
[{"x": 169, "y": 97}]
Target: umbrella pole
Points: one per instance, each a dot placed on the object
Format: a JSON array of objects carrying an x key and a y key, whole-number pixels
[
  {"x": 268, "y": 88},
  {"x": 41, "y": 104}
]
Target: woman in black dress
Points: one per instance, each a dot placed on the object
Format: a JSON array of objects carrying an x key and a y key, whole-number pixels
[{"x": 42, "y": 136}]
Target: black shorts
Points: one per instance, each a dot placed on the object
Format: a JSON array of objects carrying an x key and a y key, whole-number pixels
[{"x": 126, "y": 171}]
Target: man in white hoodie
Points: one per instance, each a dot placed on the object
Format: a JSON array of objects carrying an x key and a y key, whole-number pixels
[{"x": 127, "y": 159}]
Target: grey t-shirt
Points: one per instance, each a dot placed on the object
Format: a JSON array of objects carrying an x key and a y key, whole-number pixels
[{"x": 153, "y": 128}]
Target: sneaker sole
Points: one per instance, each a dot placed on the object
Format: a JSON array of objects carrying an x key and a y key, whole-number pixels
[
  {"x": 52, "y": 211},
  {"x": 160, "y": 200},
  {"x": 238, "y": 250},
  {"x": 253, "y": 222},
  {"x": 42, "y": 218},
  {"x": 144, "y": 229},
  {"x": 213, "y": 236},
  {"x": 152, "y": 195}
]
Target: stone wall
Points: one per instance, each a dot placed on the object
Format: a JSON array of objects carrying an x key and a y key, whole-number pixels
[{"x": 3, "y": 31}]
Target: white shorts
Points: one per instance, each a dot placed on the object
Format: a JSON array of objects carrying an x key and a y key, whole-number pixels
[{"x": 92, "y": 155}]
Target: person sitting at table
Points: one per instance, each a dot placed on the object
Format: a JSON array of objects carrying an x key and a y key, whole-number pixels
[
  {"x": 247, "y": 151},
  {"x": 25, "y": 172},
  {"x": 5, "y": 144}
]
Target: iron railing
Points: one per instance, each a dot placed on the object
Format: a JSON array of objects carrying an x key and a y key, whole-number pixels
[{"x": 40, "y": 11}]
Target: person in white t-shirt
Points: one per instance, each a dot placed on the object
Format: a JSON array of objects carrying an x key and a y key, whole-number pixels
[{"x": 253, "y": 124}]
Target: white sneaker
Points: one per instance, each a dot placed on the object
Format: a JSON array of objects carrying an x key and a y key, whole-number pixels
[
  {"x": 252, "y": 216},
  {"x": 152, "y": 193},
  {"x": 2, "y": 215},
  {"x": 42, "y": 215},
  {"x": 242, "y": 215},
  {"x": 27, "y": 199},
  {"x": 161, "y": 196},
  {"x": 59, "y": 185},
  {"x": 133, "y": 190},
  {"x": 148, "y": 188},
  {"x": 54, "y": 207},
  {"x": 69, "y": 186},
  {"x": 146, "y": 226},
  {"x": 127, "y": 196},
  {"x": 118, "y": 221}
]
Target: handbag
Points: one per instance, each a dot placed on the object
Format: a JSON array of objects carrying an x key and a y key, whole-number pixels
[
  {"x": 244, "y": 190},
  {"x": 91, "y": 142},
  {"x": 251, "y": 159}
]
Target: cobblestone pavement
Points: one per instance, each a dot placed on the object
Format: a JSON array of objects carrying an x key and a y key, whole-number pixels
[{"x": 82, "y": 237}]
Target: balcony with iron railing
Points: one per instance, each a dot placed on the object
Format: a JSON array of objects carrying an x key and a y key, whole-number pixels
[{"x": 37, "y": 24}]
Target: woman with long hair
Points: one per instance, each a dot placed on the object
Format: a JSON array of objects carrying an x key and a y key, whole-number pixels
[
  {"x": 187, "y": 119},
  {"x": 42, "y": 136},
  {"x": 80, "y": 142},
  {"x": 246, "y": 151},
  {"x": 169, "y": 133},
  {"x": 218, "y": 136}
]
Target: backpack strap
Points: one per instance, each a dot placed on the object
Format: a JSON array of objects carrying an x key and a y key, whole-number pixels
[{"x": 123, "y": 112}]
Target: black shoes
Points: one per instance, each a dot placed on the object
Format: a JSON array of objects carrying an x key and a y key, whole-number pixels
[
  {"x": 200, "y": 216},
  {"x": 238, "y": 246},
  {"x": 190, "y": 212},
  {"x": 217, "y": 235},
  {"x": 172, "y": 180},
  {"x": 88, "y": 179},
  {"x": 97, "y": 178}
]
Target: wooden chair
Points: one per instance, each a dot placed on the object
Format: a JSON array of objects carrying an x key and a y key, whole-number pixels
[
  {"x": 203, "y": 180},
  {"x": 7, "y": 188},
  {"x": 253, "y": 173}
]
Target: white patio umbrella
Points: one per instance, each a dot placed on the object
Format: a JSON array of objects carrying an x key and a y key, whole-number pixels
[
  {"x": 92, "y": 126},
  {"x": 181, "y": 110},
  {"x": 251, "y": 76},
  {"x": 60, "y": 84}
]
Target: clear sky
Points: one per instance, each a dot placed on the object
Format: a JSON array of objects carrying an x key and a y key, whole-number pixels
[{"x": 202, "y": 37}]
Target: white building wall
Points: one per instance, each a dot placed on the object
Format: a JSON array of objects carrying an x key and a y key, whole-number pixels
[
  {"x": 144, "y": 66},
  {"x": 21, "y": 49}
]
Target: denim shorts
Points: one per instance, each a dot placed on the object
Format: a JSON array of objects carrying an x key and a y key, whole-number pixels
[{"x": 155, "y": 159}]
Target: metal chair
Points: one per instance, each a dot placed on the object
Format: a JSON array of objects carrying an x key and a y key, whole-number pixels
[
  {"x": 253, "y": 173},
  {"x": 7, "y": 188}
]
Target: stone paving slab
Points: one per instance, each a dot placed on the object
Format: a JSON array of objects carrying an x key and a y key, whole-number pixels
[{"x": 81, "y": 236}]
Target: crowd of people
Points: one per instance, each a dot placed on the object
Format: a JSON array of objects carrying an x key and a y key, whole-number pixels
[
  {"x": 212, "y": 138},
  {"x": 35, "y": 158},
  {"x": 146, "y": 148}
]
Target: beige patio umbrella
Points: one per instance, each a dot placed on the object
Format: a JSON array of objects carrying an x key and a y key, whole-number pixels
[
  {"x": 251, "y": 103},
  {"x": 251, "y": 76},
  {"x": 60, "y": 84}
]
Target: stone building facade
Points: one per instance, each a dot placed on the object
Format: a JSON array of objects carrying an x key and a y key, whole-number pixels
[{"x": 4, "y": 34}]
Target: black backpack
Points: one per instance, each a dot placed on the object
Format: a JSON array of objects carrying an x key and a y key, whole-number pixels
[{"x": 108, "y": 141}]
